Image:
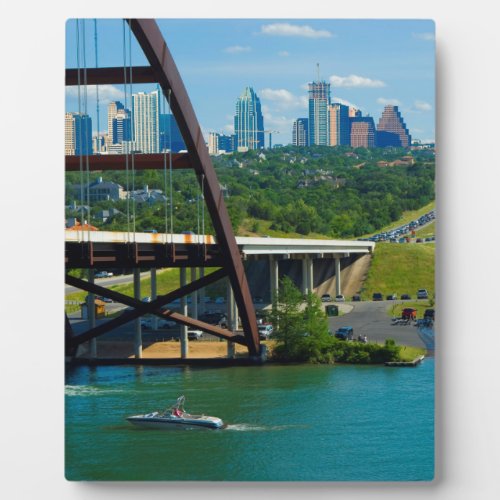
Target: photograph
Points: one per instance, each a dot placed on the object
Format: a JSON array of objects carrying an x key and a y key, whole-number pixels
[{"x": 250, "y": 249}]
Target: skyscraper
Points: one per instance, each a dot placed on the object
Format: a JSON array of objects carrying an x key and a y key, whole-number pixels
[
  {"x": 319, "y": 100},
  {"x": 145, "y": 122},
  {"x": 363, "y": 132},
  {"x": 391, "y": 129},
  {"x": 77, "y": 134},
  {"x": 168, "y": 127},
  {"x": 340, "y": 126},
  {"x": 113, "y": 108},
  {"x": 122, "y": 127},
  {"x": 248, "y": 121},
  {"x": 300, "y": 133}
]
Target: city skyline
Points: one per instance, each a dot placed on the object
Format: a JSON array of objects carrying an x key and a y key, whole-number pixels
[{"x": 368, "y": 63}]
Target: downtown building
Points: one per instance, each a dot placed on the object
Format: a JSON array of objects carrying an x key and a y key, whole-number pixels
[
  {"x": 391, "y": 129},
  {"x": 221, "y": 143},
  {"x": 300, "y": 132},
  {"x": 170, "y": 135},
  {"x": 319, "y": 126},
  {"x": 340, "y": 125},
  {"x": 248, "y": 121},
  {"x": 77, "y": 134},
  {"x": 363, "y": 133},
  {"x": 146, "y": 122}
]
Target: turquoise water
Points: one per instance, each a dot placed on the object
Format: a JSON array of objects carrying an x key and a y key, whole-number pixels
[{"x": 285, "y": 423}]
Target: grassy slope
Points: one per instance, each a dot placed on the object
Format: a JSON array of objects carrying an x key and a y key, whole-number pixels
[
  {"x": 400, "y": 268},
  {"x": 429, "y": 230}
]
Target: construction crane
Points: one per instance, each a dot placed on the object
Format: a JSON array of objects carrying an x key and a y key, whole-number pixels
[{"x": 270, "y": 132}]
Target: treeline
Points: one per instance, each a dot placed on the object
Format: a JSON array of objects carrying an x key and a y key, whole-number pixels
[{"x": 338, "y": 192}]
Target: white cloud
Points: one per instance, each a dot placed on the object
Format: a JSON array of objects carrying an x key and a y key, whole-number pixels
[
  {"x": 345, "y": 103},
  {"x": 428, "y": 37},
  {"x": 286, "y": 29},
  {"x": 355, "y": 81},
  {"x": 283, "y": 99},
  {"x": 384, "y": 101},
  {"x": 229, "y": 128},
  {"x": 422, "y": 106},
  {"x": 237, "y": 49},
  {"x": 283, "y": 53},
  {"x": 107, "y": 93}
]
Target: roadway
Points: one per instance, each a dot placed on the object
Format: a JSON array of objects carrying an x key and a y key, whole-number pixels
[{"x": 371, "y": 319}]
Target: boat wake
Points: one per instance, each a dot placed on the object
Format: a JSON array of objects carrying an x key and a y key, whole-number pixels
[
  {"x": 255, "y": 428},
  {"x": 87, "y": 390}
]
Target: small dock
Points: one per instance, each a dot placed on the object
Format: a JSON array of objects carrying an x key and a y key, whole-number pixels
[{"x": 415, "y": 362}]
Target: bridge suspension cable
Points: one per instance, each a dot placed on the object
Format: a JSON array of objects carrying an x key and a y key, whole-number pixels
[
  {"x": 85, "y": 123},
  {"x": 97, "y": 89},
  {"x": 132, "y": 119},
  {"x": 129, "y": 147}
]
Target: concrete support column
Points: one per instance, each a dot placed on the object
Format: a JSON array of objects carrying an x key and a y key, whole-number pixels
[
  {"x": 307, "y": 275},
  {"x": 337, "y": 276},
  {"x": 201, "y": 293},
  {"x": 304, "y": 275},
  {"x": 230, "y": 319},
  {"x": 154, "y": 295},
  {"x": 194, "y": 296},
  {"x": 91, "y": 316},
  {"x": 274, "y": 274},
  {"x": 138, "y": 332},
  {"x": 184, "y": 311}
]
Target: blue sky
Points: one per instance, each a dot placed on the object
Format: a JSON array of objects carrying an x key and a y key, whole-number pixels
[{"x": 369, "y": 63}]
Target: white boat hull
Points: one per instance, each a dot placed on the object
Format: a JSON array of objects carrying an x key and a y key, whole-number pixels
[{"x": 156, "y": 421}]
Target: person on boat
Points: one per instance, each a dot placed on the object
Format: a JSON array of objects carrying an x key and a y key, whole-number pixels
[{"x": 177, "y": 412}]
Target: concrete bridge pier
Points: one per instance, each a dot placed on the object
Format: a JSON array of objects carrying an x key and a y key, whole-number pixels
[
  {"x": 338, "y": 288},
  {"x": 274, "y": 274},
  {"x": 154, "y": 295},
  {"x": 307, "y": 274},
  {"x": 201, "y": 292},
  {"x": 184, "y": 311},
  {"x": 138, "y": 332},
  {"x": 194, "y": 296},
  {"x": 91, "y": 316},
  {"x": 231, "y": 321}
]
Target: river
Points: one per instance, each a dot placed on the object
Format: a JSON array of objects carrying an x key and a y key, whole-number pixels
[{"x": 284, "y": 423}]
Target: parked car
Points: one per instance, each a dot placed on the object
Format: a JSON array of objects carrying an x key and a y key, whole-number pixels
[
  {"x": 265, "y": 331},
  {"x": 194, "y": 334},
  {"x": 104, "y": 299},
  {"x": 146, "y": 323},
  {"x": 422, "y": 294},
  {"x": 214, "y": 318},
  {"x": 405, "y": 296},
  {"x": 429, "y": 313},
  {"x": 345, "y": 333},
  {"x": 103, "y": 274},
  {"x": 166, "y": 323},
  {"x": 339, "y": 298},
  {"x": 326, "y": 297},
  {"x": 356, "y": 298},
  {"x": 409, "y": 314},
  {"x": 146, "y": 299},
  {"x": 377, "y": 296},
  {"x": 392, "y": 296}
]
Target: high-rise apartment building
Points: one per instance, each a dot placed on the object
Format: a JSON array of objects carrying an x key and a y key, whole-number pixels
[
  {"x": 220, "y": 143},
  {"x": 363, "y": 133},
  {"x": 145, "y": 122},
  {"x": 319, "y": 100},
  {"x": 391, "y": 129},
  {"x": 340, "y": 126},
  {"x": 122, "y": 126},
  {"x": 300, "y": 132},
  {"x": 354, "y": 112},
  {"x": 77, "y": 134},
  {"x": 248, "y": 121},
  {"x": 113, "y": 108},
  {"x": 170, "y": 135}
]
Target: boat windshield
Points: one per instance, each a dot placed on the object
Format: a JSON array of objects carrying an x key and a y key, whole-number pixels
[{"x": 178, "y": 408}]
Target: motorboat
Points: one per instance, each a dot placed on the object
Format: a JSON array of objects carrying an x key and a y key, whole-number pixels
[{"x": 175, "y": 417}]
